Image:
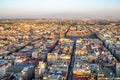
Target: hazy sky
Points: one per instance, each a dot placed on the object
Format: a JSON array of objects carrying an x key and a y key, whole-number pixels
[{"x": 59, "y": 8}]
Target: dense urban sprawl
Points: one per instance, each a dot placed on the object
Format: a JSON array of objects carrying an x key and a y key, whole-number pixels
[{"x": 59, "y": 49}]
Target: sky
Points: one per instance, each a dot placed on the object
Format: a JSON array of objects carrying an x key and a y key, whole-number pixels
[{"x": 59, "y": 9}]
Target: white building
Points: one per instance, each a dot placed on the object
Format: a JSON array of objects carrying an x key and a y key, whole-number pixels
[{"x": 3, "y": 67}]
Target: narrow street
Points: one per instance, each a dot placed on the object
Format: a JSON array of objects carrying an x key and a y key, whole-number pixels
[{"x": 69, "y": 76}]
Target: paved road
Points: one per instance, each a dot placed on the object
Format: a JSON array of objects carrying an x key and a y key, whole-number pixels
[{"x": 69, "y": 76}]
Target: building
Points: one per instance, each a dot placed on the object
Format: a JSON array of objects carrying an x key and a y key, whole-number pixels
[{"x": 118, "y": 69}]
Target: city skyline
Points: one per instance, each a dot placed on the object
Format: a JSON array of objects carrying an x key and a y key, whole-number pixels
[{"x": 59, "y": 9}]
